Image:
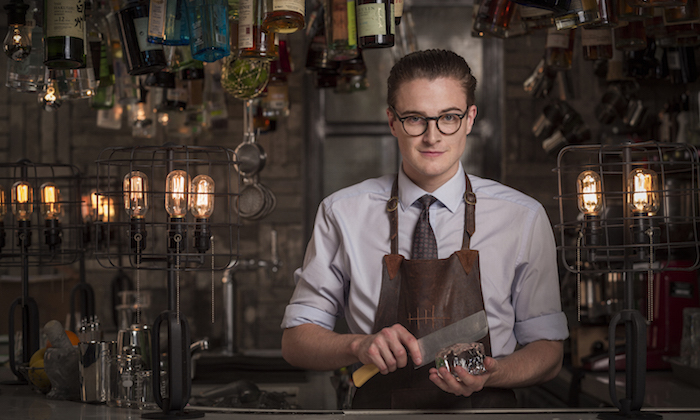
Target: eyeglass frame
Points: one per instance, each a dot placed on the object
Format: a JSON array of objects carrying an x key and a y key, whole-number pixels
[{"x": 427, "y": 121}]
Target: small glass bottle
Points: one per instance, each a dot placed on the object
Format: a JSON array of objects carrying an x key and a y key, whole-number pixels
[
  {"x": 28, "y": 75},
  {"x": 631, "y": 37},
  {"x": 168, "y": 22},
  {"x": 285, "y": 16},
  {"x": 253, "y": 40},
  {"x": 64, "y": 34},
  {"x": 581, "y": 12},
  {"x": 141, "y": 56},
  {"x": 375, "y": 23},
  {"x": 209, "y": 39},
  {"x": 607, "y": 13},
  {"x": 493, "y": 17},
  {"x": 342, "y": 32},
  {"x": 631, "y": 13},
  {"x": 597, "y": 43},
  {"x": 559, "y": 48},
  {"x": 688, "y": 13},
  {"x": 536, "y": 18}
]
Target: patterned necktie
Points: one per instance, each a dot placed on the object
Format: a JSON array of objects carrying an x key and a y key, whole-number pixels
[{"x": 424, "y": 243}]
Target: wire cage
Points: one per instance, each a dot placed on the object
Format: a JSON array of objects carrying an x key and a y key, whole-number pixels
[
  {"x": 629, "y": 207},
  {"x": 40, "y": 214},
  {"x": 147, "y": 214}
]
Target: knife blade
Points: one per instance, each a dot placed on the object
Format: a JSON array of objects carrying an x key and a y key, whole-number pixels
[{"x": 467, "y": 330}]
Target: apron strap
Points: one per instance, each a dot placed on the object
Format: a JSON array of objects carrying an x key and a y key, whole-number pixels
[{"x": 469, "y": 221}]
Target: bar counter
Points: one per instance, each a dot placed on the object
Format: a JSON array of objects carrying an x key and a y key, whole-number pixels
[{"x": 22, "y": 402}]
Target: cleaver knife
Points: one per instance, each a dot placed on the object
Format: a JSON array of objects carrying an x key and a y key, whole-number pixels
[{"x": 467, "y": 330}]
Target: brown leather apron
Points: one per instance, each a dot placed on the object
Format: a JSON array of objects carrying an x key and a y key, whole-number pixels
[{"x": 424, "y": 296}]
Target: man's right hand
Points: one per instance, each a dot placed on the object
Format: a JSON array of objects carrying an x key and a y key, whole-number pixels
[{"x": 388, "y": 349}]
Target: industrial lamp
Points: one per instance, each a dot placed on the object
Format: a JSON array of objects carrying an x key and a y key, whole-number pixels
[
  {"x": 18, "y": 41},
  {"x": 136, "y": 204},
  {"x": 202, "y": 207},
  {"x": 22, "y": 208},
  {"x": 177, "y": 185},
  {"x": 590, "y": 203},
  {"x": 51, "y": 210},
  {"x": 644, "y": 202}
]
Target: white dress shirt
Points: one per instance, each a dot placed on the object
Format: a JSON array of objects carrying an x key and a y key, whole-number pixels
[{"x": 342, "y": 269}]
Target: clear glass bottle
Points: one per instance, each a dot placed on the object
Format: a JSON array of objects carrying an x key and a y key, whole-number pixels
[
  {"x": 285, "y": 16},
  {"x": 607, "y": 14},
  {"x": 536, "y": 18},
  {"x": 253, "y": 40},
  {"x": 559, "y": 48},
  {"x": 28, "y": 75},
  {"x": 581, "y": 13},
  {"x": 64, "y": 34},
  {"x": 168, "y": 22},
  {"x": 597, "y": 43},
  {"x": 209, "y": 39},
  {"x": 630, "y": 13},
  {"x": 141, "y": 56},
  {"x": 342, "y": 32},
  {"x": 375, "y": 23}
]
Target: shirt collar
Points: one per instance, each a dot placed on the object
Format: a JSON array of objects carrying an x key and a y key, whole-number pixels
[{"x": 450, "y": 194}]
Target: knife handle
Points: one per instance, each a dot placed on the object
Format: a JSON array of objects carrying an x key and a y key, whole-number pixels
[{"x": 364, "y": 374}]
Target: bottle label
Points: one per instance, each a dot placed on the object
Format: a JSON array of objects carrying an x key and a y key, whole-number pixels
[
  {"x": 141, "y": 26},
  {"x": 156, "y": 19},
  {"x": 245, "y": 27},
  {"x": 293, "y": 5},
  {"x": 557, "y": 38},
  {"x": 595, "y": 37},
  {"x": 65, "y": 18},
  {"x": 371, "y": 20},
  {"x": 398, "y": 8}
]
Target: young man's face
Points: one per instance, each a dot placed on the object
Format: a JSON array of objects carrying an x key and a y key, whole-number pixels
[{"x": 432, "y": 158}]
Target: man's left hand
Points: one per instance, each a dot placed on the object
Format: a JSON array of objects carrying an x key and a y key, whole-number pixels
[{"x": 464, "y": 384}]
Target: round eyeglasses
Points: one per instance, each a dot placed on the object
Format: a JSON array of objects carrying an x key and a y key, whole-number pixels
[{"x": 417, "y": 125}]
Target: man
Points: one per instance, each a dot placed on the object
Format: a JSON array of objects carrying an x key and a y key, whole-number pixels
[{"x": 495, "y": 251}]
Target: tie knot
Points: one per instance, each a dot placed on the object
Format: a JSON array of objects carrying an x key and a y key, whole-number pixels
[{"x": 427, "y": 200}]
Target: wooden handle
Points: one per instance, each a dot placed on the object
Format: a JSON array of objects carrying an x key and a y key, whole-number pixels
[{"x": 364, "y": 374}]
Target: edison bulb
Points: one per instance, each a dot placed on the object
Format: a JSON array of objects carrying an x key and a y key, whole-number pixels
[
  {"x": 3, "y": 204},
  {"x": 136, "y": 194},
  {"x": 22, "y": 200},
  {"x": 588, "y": 187},
  {"x": 202, "y": 196},
  {"x": 177, "y": 185},
  {"x": 642, "y": 186},
  {"x": 50, "y": 201}
]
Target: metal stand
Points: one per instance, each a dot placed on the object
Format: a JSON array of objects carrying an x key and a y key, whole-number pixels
[{"x": 85, "y": 295}]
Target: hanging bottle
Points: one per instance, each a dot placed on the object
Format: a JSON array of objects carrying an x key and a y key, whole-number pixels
[
  {"x": 398, "y": 11},
  {"x": 276, "y": 101},
  {"x": 27, "y": 75},
  {"x": 352, "y": 76},
  {"x": 559, "y": 48},
  {"x": 64, "y": 34},
  {"x": 253, "y": 40},
  {"x": 581, "y": 13},
  {"x": 627, "y": 12},
  {"x": 209, "y": 39},
  {"x": 597, "y": 43},
  {"x": 536, "y": 18},
  {"x": 493, "y": 17},
  {"x": 375, "y": 23},
  {"x": 342, "y": 29},
  {"x": 99, "y": 42},
  {"x": 285, "y": 16},
  {"x": 168, "y": 22},
  {"x": 141, "y": 56},
  {"x": 631, "y": 37},
  {"x": 556, "y": 6}
]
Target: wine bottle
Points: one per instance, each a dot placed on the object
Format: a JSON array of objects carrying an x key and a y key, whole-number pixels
[
  {"x": 493, "y": 17},
  {"x": 141, "y": 56},
  {"x": 285, "y": 16},
  {"x": 253, "y": 40},
  {"x": 342, "y": 29},
  {"x": 99, "y": 42},
  {"x": 64, "y": 34},
  {"x": 581, "y": 12},
  {"x": 375, "y": 23},
  {"x": 398, "y": 11}
]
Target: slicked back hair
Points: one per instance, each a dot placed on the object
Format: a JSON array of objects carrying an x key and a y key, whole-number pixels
[{"x": 431, "y": 65}]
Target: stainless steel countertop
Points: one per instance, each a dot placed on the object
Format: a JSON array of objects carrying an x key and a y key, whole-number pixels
[{"x": 21, "y": 402}]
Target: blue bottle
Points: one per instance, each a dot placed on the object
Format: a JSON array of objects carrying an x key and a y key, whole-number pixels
[{"x": 209, "y": 38}]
